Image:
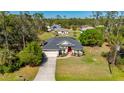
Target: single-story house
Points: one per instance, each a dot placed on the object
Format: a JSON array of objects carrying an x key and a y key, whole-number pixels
[
  {"x": 100, "y": 26},
  {"x": 85, "y": 27},
  {"x": 49, "y": 28},
  {"x": 63, "y": 46},
  {"x": 55, "y": 27},
  {"x": 62, "y": 31}
]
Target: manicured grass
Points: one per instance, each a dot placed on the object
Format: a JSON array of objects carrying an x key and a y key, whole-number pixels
[
  {"x": 27, "y": 73},
  {"x": 91, "y": 66}
]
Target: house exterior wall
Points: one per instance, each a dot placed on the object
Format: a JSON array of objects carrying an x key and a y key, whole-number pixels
[
  {"x": 77, "y": 52},
  {"x": 51, "y": 53},
  {"x": 61, "y": 52}
]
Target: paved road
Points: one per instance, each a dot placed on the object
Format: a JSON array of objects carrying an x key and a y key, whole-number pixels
[{"x": 47, "y": 70}]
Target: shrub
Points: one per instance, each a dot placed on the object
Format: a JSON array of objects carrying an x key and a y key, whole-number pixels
[
  {"x": 8, "y": 61},
  {"x": 7, "y": 57},
  {"x": 120, "y": 60},
  {"x": 105, "y": 54},
  {"x": 1, "y": 69},
  {"x": 7, "y": 69},
  {"x": 31, "y": 55},
  {"x": 91, "y": 37}
]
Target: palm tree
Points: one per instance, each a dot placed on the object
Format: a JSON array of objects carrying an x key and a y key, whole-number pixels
[{"x": 114, "y": 33}]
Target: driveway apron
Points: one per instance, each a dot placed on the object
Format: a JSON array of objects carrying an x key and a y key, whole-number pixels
[{"x": 47, "y": 70}]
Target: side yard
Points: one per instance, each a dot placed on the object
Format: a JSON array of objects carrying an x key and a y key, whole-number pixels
[
  {"x": 91, "y": 66},
  {"x": 25, "y": 73}
]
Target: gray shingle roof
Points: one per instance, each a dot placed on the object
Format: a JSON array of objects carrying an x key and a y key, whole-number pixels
[{"x": 53, "y": 43}]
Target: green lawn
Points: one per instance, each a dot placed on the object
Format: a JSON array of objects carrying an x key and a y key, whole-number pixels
[
  {"x": 27, "y": 72},
  {"x": 74, "y": 34},
  {"x": 46, "y": 35},
  {"x": 91, "y": 66}
]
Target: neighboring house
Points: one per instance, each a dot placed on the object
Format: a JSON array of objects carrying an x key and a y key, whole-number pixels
[
  {"x": 85, "y": 27},
  {"x": 63, "y": 46},
  {"x": 55, "y": 27},
  {"x": 63, "y": 31},
  {"x": 59, "y": 30},
  {"x": 100, "y": 26},
  {"x": 49, "y": 28}
]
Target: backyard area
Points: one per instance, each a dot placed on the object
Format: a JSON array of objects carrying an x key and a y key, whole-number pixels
[
  {"x": 75, "y": 34},
  {"x": 91, "y": 66},
  {"x": 48, "y": 35}
]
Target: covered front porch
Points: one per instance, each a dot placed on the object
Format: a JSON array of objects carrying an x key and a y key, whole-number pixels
[
  {"x": 67, "y": 48},
  {"x": 70, "y": 51}
]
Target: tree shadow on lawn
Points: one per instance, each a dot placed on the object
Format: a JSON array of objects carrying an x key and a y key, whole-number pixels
[{"x": 44, "y": 60}]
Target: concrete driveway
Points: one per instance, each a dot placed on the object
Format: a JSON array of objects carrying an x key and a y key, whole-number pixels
[{"x": 47, "y": 69}]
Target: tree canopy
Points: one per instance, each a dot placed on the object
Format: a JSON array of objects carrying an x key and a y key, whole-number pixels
[{"x": 91, "y": 37}]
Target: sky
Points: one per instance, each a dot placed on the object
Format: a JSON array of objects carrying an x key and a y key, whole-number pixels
[{"x": 68, "y": 14}]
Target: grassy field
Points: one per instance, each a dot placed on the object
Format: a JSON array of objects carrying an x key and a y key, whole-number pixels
[
  {"x": 27, "y": 73},
  {"x": 46, "y": 35},
  {"x": 74, "y": 34},
  {"x": 91, "y": 66}
]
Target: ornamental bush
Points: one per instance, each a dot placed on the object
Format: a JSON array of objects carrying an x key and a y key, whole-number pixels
[
  {"x": 31, "y": 55},
  {"x": 92, "y": 37}
]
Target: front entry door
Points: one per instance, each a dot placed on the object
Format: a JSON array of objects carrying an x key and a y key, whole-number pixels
[{"x": 69, "y": 49}]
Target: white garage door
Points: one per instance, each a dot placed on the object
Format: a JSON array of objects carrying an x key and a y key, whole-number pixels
[{"x": 51, "y": 53}]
